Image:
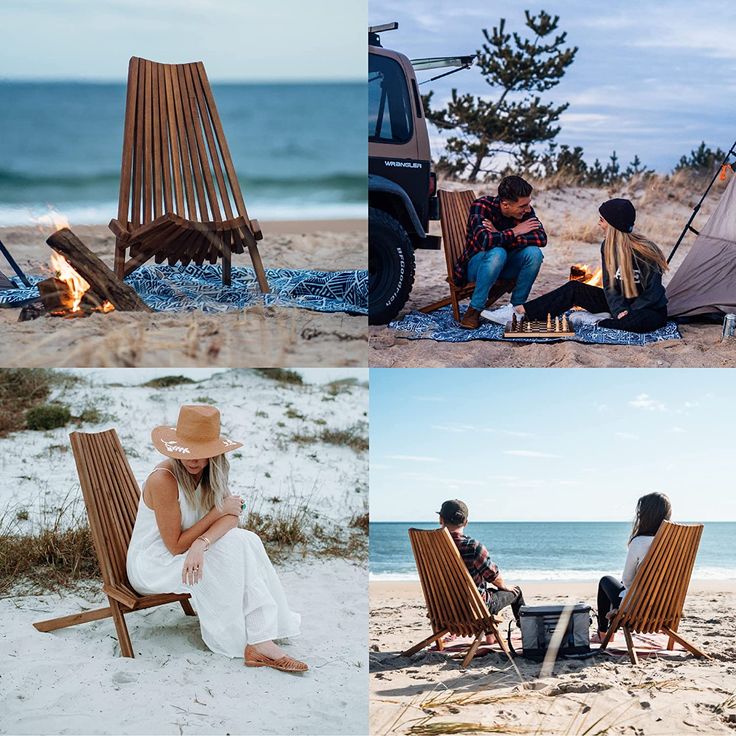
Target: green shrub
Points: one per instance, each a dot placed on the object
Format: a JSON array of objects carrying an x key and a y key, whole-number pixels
[
  {"x": 167, "y": 381},
  {"x": 281, "y": 375},
  {"x": 48, "y": 416}
]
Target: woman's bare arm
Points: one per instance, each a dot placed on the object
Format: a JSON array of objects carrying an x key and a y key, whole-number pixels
[{"x": 162, "y": 495}]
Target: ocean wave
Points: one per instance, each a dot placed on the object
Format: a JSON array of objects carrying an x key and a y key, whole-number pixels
[
  {"x": 19, "y": 180},
  {"x": 101, "y": 214},
  {"x": 562, "y": 576}
]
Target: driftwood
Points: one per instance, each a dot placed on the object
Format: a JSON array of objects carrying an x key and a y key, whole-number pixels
[{"x": 103, "y": 282}]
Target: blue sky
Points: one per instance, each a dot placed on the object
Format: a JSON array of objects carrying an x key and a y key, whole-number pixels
[
  {"x": 239, "y": 40},
  {"x": 650, "y": 78},
  {"x": 551, "y": 445}
]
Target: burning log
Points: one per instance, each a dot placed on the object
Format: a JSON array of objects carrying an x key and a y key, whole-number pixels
[
  {"x": 56, "y": 295},
  {"x": 104, "y": 284}
]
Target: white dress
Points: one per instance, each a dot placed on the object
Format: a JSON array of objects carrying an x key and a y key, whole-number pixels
[{"x": 239, "y": 599}]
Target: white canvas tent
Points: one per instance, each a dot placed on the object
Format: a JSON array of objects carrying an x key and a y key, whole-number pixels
[{"x": 705, "y": 282}]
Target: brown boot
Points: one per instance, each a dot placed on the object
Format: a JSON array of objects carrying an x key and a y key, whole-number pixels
[{"x": 471, "y": 319}]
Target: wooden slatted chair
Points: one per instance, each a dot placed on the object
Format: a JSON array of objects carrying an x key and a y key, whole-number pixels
[
  {"x": 180, "y": 199},
  {"x": 655, "y": 600},
  {"x": 111, "y": 497},
  {"x": 454, "y": 209},
  {"x": 454, "y": 604}
]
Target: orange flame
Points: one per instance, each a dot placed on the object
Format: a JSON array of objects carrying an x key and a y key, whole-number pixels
[
  {"x": 594, "y": 278},
  {"x": 53, "y": 218},
  {"x": 64, "y": 272}
]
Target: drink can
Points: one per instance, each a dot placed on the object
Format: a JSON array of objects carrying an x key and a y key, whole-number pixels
[{"x": 729, "y": 325}]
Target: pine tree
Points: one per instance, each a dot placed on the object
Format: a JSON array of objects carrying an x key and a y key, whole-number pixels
[{"x": 515, "y": 118}]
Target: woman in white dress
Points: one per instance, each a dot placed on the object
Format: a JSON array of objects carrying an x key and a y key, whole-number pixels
[
  {"x": 186, "y": 540},
  {"x": 651, "y": 511}
]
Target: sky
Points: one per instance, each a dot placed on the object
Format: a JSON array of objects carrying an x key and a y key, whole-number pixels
[
  {"x": 551, "y": 445},
  {"x": 650, "y": 78},
  {"x": 238, "y": 40}
]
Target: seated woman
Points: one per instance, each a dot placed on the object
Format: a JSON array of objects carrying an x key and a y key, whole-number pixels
[
  {"x": 186, "y": 540},
  {"x": 632, "y": 279},
  {"x": 651, "y": 511}
]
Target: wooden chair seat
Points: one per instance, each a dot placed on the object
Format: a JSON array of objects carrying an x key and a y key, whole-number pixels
[
  {"x": 111, "y": 497},
  {"x": 454, "y": 604},
  {"x": 654, "y": 602},
  {"x": 180, "y": 199},
  {"x": 454, "y": 210}
]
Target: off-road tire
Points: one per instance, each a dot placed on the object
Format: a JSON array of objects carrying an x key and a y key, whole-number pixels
[{"x": 390, "y": 265}]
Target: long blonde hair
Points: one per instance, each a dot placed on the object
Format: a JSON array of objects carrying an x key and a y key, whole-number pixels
[
  {"x": 213, "y": 483},
  {"x": 619, "y": 251}
]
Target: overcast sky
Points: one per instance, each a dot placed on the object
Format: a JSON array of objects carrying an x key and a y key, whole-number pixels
[
  {"x": 239, "y": 40},
  {"x": 650, "y": 78},
  {"x": 551, "y": 445}
]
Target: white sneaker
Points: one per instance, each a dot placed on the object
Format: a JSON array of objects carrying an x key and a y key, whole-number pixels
[{"x": 502, "y": 315}]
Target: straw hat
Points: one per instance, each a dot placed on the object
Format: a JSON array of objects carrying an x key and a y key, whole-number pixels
[{"x": 196, "y": 435}]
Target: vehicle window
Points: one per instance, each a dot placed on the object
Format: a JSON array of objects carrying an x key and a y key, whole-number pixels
[{"x": 389, "y": 108}]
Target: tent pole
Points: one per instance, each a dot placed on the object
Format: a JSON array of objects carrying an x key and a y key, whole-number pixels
[{"x": 702, "y": 199}]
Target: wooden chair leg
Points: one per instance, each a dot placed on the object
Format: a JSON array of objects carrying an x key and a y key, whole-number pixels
[
  {"x": 473, "y": 649},
  {"x": 630, "y": 646},
  {"x": 62, "y": 622},
  {"x": 609, "y": 635},
  {"x": 683, "y": 642},
  {"x": 425, "y": 642},
  {"x": 226, "y": 267},
  {"x": 455, "y": 306},
  {"x": 126, "y": 648},
  {"x": 434, "y": 306},
  {"x": 187, "y": 606},
  {"x": 119, "y": 259},
  {"x": 255, "y": 256}
]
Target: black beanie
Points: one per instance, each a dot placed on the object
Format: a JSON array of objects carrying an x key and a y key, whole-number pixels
[{"x": 619, "y": 213}]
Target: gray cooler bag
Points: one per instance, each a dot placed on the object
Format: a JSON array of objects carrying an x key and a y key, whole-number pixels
[{"x": 538, "y": 624}]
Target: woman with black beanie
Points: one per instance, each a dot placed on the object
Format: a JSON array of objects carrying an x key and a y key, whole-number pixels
[{"x": 632, "y": 278}]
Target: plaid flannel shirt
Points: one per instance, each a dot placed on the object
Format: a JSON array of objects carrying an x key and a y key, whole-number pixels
[
  {"x": 478, "y": 238},
  {"x": 479, "y": 563}
]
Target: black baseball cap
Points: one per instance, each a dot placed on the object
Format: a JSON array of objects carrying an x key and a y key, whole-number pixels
[{"x": 454, "y": 512}]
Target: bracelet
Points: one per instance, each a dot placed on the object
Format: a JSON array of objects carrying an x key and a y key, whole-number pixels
[{"x": 206, "y": 541}]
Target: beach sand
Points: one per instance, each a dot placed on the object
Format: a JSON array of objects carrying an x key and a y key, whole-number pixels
[
  {"x": 257, "y": 337},
  {"x": 74, "y": 681},
  {"x": 671, "y": 694},
  {"x": 570, "y": 216}
]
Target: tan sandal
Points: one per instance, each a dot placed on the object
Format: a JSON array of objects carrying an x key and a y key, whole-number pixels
[{"x": 253, "y": 658}]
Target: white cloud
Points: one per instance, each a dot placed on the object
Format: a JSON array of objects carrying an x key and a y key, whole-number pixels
[
  {"x": 677, "y": 430},
  {"x": 627, "y": 436},
  {"x": 529, "y": 453},
  {"x": 645, "y": 401}
]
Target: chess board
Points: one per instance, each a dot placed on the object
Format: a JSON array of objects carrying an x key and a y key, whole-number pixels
[{"x": 537, "y": 329}]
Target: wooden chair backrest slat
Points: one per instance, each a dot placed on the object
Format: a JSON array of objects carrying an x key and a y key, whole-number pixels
[
  {"x": 111, "y": 497},
  {"x": 452, "y": 599},
  {"x": 454, "y": 209},
  {"x": 657, "y": 595},
  {"x": 175, "y": 156}
]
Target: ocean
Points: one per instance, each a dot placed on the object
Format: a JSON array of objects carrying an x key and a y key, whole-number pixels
[
  {"x": 549, "y": 551},
  {"x": 300, "y": 150}
]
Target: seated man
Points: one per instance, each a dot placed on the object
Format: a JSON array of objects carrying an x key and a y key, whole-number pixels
[
  {"x": 503, "y": 240},
  {"x": 486, "y": 576}
]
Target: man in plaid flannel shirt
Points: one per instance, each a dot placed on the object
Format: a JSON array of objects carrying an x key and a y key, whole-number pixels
[
  {"x": 504, "y": 240},
  {"x": 485, "y": 573}
]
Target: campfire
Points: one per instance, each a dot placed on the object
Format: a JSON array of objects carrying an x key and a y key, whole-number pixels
[
  {"x": 582, "y": 272},
  {"x": 67, "y": 293}
]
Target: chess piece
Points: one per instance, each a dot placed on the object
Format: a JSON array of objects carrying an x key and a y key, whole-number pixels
[
  {"x": 549, "y": 322},
  {"x": 528, "y": 325},
  {"x": 514, "y": 323},
  {"x": 557, "y": 324},
  {"x": 565, "y": 326}
]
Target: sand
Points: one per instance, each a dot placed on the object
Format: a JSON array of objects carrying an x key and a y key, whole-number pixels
[
  {"x": 570, "y": 216},
  {"x": 256, "y": 337},
  {"x": 671, "y": 694},
  {"x": 74, "y": 681}
]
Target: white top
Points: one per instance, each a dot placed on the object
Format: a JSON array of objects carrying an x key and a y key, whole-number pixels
[{"x": 638, "y": 548}]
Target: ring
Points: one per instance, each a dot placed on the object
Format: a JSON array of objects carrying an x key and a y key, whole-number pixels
[{"x": 242, "y": 506}]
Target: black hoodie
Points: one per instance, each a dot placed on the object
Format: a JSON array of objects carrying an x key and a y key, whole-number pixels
[{"x": 650, "y": 292}]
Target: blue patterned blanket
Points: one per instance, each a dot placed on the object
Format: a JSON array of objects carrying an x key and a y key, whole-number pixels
[
  {"x": 186, "y": 288},
  {"x": 441, "y": 326}
]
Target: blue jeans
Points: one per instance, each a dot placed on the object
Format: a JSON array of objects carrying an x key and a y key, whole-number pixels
[{"x": 486, "y": 267}]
